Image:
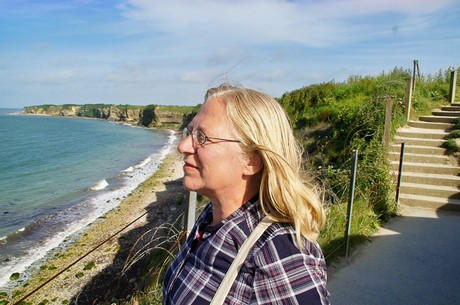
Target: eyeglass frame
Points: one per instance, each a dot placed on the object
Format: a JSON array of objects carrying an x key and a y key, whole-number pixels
[{"x": 187, "y": 132}]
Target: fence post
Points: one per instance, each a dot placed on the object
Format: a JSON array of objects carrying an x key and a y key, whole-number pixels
[
  {"x": 387, "y": 128},
  {"x": 351, "y": 199},
  {"x": 190, "y": 209},
  {"x": 415, "y": 71},
  {"x": 400, "y": 170},
  {"x": 408, "y": 98},
  {"x": 452, "y": 86}
]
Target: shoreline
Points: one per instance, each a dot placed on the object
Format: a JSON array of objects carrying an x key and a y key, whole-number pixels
[
  {"x": 158, "y": 197},
  {"x": 71, "y": 201}
]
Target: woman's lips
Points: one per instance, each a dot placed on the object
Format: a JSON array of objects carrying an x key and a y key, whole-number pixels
[{"x": 189, "y": 166}]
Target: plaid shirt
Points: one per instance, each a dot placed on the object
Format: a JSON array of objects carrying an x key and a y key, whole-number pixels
[{"x": 274, "y": 272}]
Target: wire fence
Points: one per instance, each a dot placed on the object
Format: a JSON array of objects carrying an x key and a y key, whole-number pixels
[{"x": 22, "y": 299}]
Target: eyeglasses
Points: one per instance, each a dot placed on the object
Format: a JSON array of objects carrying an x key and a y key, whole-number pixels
[{"x": 200, "y": 137}]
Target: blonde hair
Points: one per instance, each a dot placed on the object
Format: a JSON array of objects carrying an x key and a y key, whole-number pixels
[{"x": 263, "y": 128}]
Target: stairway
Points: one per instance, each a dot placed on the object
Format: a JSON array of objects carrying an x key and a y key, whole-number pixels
[{"x": 430, "y": 177}]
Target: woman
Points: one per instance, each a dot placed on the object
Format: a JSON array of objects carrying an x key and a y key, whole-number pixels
[{"x": 240, "y": 152}]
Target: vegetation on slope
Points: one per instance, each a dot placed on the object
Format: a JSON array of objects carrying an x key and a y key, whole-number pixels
[{"x": 334, "y": 119}]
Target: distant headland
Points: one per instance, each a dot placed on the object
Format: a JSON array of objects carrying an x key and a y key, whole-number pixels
[{"x": 148, "y": 116}]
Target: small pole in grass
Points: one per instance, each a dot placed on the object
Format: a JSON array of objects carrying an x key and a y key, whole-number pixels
[
  {"x": 400, "y": 170},
  {"x": 351, "y": 199}
]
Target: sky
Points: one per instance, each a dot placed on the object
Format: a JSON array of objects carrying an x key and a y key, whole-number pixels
[{"x": 142, "y": 52}]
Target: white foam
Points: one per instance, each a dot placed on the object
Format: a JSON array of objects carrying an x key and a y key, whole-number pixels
[
  {"x": 128, "y": 170},
  {"x": 21, "y": 264},
  {"x": 100, "y": 185},
  {"x": 143, "y": 163}
]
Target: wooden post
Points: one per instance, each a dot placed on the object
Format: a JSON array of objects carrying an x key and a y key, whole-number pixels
[
  {"x": 452, "y": 86},
  {"x": 408, "y": 98},
  {"x": 387, "y": 128},
  {"x": 414, "y": 69},
  {"x": 190, "y": 208}
]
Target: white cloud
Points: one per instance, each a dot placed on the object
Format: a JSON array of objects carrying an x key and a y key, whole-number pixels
[
  {"x": 317, "y": 23},
  {"x": 196, "y": 76},
  {"x": 57, "y": 77}
]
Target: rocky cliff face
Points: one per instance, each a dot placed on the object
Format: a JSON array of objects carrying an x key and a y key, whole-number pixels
[
  {"x": 149, "y": 116},
  {"x": 53, "y": 110},
  {"x": 164, "y": 116}
]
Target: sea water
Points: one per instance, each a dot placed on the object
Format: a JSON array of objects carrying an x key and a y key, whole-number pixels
[{"x": 57, "y": 175}]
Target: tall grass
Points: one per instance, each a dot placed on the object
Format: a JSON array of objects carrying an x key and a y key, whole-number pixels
[{"x": 161, "y": 247}]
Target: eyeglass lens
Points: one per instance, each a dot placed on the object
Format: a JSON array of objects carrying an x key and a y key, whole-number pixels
[{"x": 197, "y": 136}]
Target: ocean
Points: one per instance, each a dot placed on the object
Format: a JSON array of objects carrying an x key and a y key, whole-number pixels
[{"x": 57, "y": 175}]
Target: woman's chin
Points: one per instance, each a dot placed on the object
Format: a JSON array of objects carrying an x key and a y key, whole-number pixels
[{"x": 190, "y": 185}]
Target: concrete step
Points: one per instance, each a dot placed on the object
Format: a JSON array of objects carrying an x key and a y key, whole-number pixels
[
  {"x": 418, "y": 149},
  {"x": 419, "y": 141},
  {"x": 430, "y": 190},
  {"x": 423, "y": 133},
  {"x": 450, "y": 108},
  {"x": 430, "y": 179},
  {"x": 438, "y": 119},
  {"x": 417, "y": 158},
  {"x": 451, "y": 113},
  {"x": 430, "y": 202},
  {"x": 430, "y": 125},
  {"x": 423, "y": 168}
]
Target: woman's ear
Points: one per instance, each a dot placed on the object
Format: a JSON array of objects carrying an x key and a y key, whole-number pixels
[{"x": 254, "y": 165}]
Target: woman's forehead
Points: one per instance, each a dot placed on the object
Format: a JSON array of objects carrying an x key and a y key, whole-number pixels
[{"x": 213, "y": 113}]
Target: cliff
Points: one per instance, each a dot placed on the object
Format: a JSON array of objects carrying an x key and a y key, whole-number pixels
[{"x": 148, "y": 116}]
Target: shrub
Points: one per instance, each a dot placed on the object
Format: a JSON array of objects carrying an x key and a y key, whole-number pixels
[
  {"x": 451, "y": 146},
  {"x": 89, "y": 266},
  {"x": 79, "y": 275}
]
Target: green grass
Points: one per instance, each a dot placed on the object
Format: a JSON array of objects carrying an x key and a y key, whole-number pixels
[{"x": 364, "y": 223}]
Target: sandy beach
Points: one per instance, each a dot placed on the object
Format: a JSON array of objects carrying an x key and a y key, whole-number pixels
[{"x": 158, "y": 200}]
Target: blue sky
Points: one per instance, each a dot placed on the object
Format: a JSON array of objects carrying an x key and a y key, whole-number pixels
[{"x": 143, "y": 52}]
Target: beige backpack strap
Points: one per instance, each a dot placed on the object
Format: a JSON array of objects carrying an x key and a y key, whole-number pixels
[{"x": 237, "y": 263}]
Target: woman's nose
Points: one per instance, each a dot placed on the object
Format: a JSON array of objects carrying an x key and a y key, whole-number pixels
[{"x": 185, "y": 145}]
